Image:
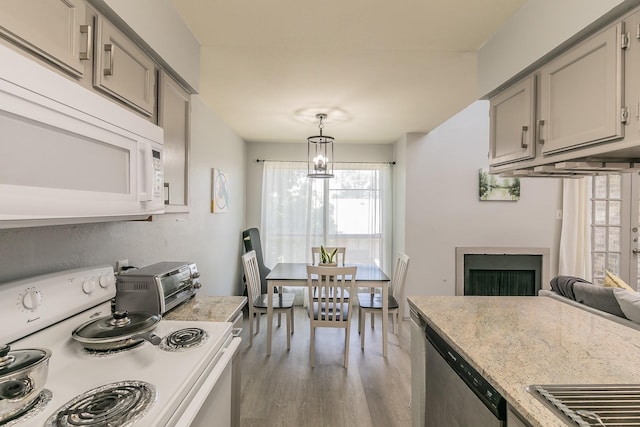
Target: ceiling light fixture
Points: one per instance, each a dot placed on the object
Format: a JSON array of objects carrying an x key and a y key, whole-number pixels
[{"x": 320, "y": 153}]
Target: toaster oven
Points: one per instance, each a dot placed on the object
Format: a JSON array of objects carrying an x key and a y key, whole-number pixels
[{"x": 157, "y": 288}]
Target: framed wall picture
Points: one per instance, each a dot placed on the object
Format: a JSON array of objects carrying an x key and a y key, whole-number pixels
[
  {"x": 493, "y": 187},
  {"x": 219, "y": 191}
]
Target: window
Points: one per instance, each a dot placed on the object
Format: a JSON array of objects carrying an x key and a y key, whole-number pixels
[
  {"x": 352, "y": 210},
  {"x": 614, "y": 227},
  {"x": 606, "y": 226}
]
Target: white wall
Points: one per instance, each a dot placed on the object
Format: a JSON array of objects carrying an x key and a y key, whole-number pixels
[
  {"x": 534, "y": 31},
  {"x": 399, "y": 195},
  {"x": 443, "y": 210}
]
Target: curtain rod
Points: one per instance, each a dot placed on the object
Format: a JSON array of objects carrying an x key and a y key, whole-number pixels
[{"x": 300, "y": 161}]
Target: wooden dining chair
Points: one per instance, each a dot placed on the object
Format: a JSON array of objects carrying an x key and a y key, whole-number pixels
[
  {"x": 282, "y": 301},
  {"x": 251, "y": 241},
  {"x": 331, "y": 309},
  {"x": 372, "y": 303}
]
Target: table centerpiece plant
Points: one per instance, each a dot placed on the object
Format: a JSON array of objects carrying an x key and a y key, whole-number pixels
[{"x": 327, "y": 258}]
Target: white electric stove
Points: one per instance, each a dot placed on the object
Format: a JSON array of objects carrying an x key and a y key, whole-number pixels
[{"x": 143, "y": 386}]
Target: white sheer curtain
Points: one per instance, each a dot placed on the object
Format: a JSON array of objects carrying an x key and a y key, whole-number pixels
[
  {"x": 575, "y": 239},
  {"x": 285, "y": 211},
  {"x": 352, "y": 210}
]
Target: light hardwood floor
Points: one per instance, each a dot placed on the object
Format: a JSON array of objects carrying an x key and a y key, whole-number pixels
[{"x": 283, "y": 390}]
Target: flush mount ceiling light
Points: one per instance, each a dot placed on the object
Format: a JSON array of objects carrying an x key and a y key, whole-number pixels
[
  {"x": 320, "y": 153},
  {"x": 308, "y": 115}
]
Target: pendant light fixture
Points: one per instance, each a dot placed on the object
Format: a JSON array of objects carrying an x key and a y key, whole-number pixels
[{"x": 320, "y": 153}]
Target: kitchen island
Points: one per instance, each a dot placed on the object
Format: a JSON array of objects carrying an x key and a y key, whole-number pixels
[
  {"x": 514, "y": 342},
  {"x": 209, "y": 309}
]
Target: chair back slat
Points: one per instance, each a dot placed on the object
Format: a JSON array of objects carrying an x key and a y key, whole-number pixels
[
  {"x": 340, "y": 254},
  {"x": 252, "y": 274}
]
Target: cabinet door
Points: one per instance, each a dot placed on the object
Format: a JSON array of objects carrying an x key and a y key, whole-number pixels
[
  {"x": 174, "y": 111},
  {"x": 53, "y": 29},
  {"x": 122, "y": 69},
  {"x": 581, "y": 94},
  {"x": 512, "y": 115}
]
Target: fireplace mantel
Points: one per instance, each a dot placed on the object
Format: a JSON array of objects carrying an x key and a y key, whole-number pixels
[{"x": 462, "y": 251}]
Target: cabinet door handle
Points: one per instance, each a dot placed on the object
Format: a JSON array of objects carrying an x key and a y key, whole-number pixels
[
  {"x": 86, "y": 29},
  {"x": 540, "y": 138},
  {"x": 109, "y": 47},
  {"x": 523, "y": 143}
]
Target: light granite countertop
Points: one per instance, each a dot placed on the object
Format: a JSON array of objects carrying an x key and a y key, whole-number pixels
[
  {"x": 518, "y": 341},
  {"x": 209, "y": 309}
]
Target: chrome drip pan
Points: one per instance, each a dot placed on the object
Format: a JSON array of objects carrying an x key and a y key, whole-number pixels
[{"x": 585, "y": 405}]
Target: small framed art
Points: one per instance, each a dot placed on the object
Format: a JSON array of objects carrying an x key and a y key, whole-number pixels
[
  {"x": 493, "y": 187},
  {"x": 219, "y": 191}
]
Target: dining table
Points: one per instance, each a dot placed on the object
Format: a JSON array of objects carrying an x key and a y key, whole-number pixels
[{"x": 292, "y": 274}]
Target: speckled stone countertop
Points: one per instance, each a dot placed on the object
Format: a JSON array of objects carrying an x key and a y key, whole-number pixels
[
  {"x": 517, "y": 341},
  {"x": 209, "y": 309}
]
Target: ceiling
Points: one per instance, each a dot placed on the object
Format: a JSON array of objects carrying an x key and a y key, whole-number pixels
[{"x": 378, "y": 68}]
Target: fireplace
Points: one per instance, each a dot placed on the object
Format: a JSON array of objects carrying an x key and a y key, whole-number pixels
[{"x": 501, "y": 271}]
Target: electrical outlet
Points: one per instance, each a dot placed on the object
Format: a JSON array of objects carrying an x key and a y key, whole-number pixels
[{"x": 120, "y": 264}]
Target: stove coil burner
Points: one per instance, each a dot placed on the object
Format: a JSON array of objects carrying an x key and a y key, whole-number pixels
[
  {"x": 118, "y": 404},
  {"x": 34, "y": 408},
  {"x": 184, "y": 339},
  {"x": 110, "y": 352}
]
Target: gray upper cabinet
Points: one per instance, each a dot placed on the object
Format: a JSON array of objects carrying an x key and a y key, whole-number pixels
[
  {"x": 174, "y": 111},
  {"x": 512, "y": 114},
  {"x": 581, "y": 100},
  {"x": 632, "y": 78},
  {"x": 122, "y": 69},
  {"x": 53, "y": 29},
  {"x": 573, "y": 114}
]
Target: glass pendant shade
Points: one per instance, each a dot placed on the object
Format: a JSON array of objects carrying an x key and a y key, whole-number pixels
[{"x": 320, "y": 154}]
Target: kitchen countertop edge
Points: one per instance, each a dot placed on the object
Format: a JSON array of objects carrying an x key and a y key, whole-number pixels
[{"x": 209, "y": 308}]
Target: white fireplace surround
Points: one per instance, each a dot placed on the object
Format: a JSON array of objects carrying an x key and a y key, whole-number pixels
[{"x": 462, "y": 251}]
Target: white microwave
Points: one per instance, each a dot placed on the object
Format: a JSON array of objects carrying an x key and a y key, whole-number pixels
[{"x": 68, "y": 155}]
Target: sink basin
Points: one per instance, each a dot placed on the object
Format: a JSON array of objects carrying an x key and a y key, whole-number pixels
[{"x": 587, "y": 405}]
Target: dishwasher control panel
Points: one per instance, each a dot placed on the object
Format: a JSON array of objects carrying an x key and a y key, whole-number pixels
[{"x": 480, "y": 386}]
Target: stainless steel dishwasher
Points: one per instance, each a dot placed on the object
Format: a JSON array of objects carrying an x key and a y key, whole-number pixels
[{"x": 456, "y": 394}]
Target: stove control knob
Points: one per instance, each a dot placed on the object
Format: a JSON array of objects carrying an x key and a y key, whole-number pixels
[
  {"x": 196, "y": 274},
  {"x": 32, "y": 299},
  {"x": 88, "y": 286},
  {"x": 106, "y": 281}
]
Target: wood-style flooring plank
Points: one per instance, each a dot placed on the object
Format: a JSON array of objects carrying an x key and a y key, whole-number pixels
[{"x": 282, "y": 390}]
